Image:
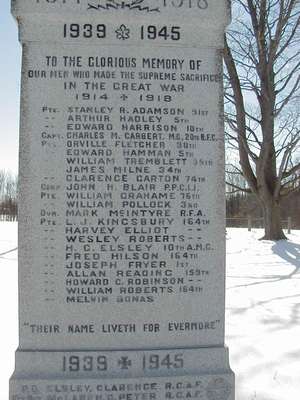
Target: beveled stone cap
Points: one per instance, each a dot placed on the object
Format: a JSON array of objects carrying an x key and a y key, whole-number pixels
[{"x": 212, "y": 13}]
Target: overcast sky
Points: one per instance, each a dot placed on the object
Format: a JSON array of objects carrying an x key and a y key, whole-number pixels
[{"x": 10, "y": 65}]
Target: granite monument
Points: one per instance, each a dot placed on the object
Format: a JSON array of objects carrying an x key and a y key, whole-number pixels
[{"x": 121, "y": 215}]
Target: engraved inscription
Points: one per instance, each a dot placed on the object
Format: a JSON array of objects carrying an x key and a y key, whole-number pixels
[{"x": 137, "y": 157}]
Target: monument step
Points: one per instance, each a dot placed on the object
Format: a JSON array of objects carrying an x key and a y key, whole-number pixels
[{"x": 98, "y": 364}]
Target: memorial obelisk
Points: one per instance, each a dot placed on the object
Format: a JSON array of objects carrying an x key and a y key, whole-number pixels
[{"x": 122, "y": 201}]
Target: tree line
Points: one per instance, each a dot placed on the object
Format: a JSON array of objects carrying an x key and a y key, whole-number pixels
[
  {"x": 8, "y": 196},
  {"x": 242, "y": 207}
]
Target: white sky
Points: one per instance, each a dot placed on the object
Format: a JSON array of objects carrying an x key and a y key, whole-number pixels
[{"x": 10, "y": 72}]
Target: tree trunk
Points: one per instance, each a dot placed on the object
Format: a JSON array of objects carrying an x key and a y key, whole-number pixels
[{"x": 272, "y": 221}]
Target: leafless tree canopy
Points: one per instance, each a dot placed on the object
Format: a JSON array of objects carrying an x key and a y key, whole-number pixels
[{"x": 262, "y": 86}]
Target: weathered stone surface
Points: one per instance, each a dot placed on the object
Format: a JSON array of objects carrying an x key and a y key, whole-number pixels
[{"x": 122, "y": 237}]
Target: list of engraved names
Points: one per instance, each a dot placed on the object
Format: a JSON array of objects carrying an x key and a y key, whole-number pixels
[{"x": 128, "y": 174}]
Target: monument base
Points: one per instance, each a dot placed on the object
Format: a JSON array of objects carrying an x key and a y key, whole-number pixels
[{"x": 197, "y": 373}]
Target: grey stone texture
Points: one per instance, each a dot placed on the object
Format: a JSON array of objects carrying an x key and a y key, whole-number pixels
[{"x": 121, "y": 225}]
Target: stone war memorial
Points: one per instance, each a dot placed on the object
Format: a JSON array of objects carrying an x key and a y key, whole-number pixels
[{"x": 122, "y": 201}]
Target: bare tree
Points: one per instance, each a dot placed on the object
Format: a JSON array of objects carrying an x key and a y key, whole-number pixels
[
  {"x": 8, "y": 195},
  {"x": 262, "y": 101},
  {"x": 235, "y": 182},
  {"x": 2, "y": 183},
  {"x": 11, "y": 185}
]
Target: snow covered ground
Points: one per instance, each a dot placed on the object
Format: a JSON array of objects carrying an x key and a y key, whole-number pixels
[
  {"x": 8, "y": 303},
  {"x": 263, "y": 313}
]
